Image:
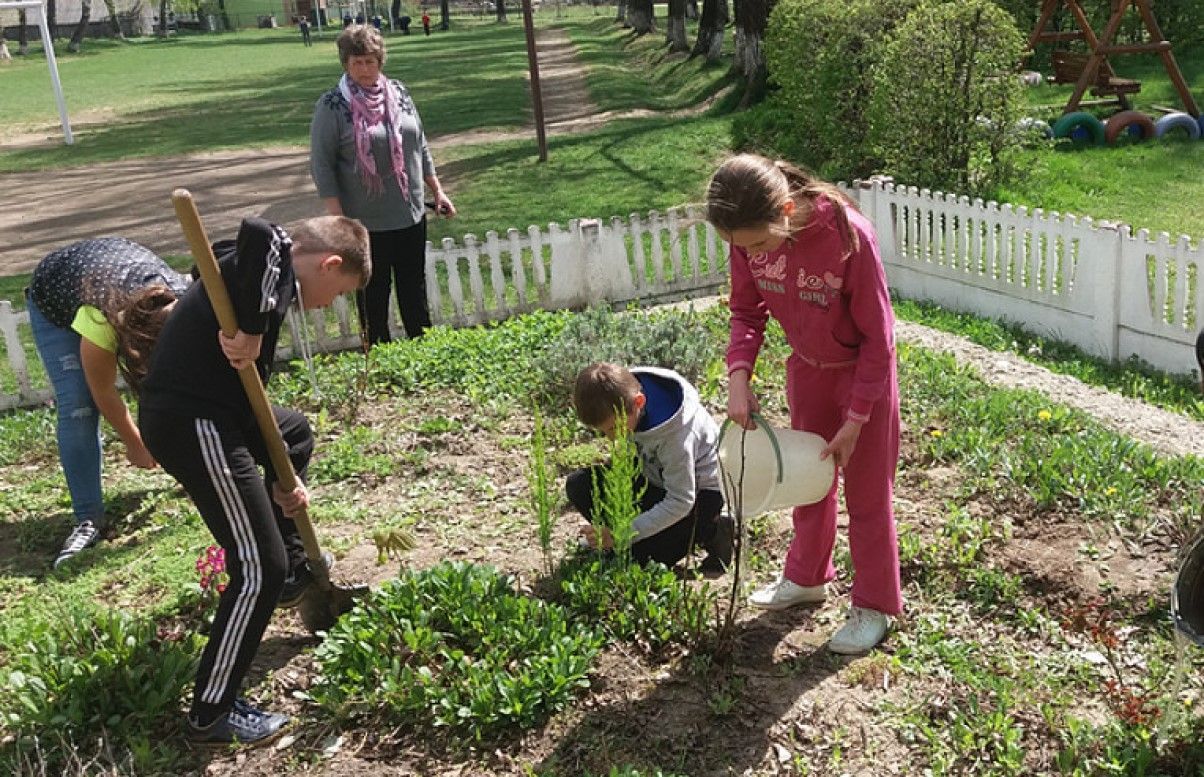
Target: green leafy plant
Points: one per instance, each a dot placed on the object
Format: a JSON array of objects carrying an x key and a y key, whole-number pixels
[
  {"x": 453, "y": 648},
  {"x": 617, "y": 497},
  {"x": 89, "y": 674},
  {"x": 646, "y": 604},
  {"x": 539, "y": 479}
]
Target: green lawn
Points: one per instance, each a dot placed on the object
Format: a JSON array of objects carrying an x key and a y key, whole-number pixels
[
  {"x": 1154, "y": 185},
  {"x": 193, "y": 93}
]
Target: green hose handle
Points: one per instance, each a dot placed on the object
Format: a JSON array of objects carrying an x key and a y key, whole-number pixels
[{"x": 773, "y": 439}]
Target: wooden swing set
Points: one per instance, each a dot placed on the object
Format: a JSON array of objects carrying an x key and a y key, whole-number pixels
[{"x": 1093, "y": 70}]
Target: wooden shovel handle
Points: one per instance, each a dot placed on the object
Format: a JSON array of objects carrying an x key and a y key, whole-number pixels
[{"x": 219, "y": 297}]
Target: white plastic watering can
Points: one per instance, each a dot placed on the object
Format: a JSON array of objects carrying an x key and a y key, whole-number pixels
[{"x": 777, "y": 468}]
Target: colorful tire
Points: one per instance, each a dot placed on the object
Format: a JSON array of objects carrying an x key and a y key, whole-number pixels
[
  {"x": 1177, "y": 121},
  {"x": 1079, "y": 120},
  {"x": 1134, "y": 122}
]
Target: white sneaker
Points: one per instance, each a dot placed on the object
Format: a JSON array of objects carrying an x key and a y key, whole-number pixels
[
  {"x": 783, "y": 593},
  {"x": 864, "y": 629}
]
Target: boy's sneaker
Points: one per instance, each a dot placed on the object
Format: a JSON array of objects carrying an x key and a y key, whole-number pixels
[
  {"x": 242, "y": 724},
  {"x": 83, "y": 536},
  {"x": 298, "y": 581},
  {"x": 719, "y": 549},
  {"x": 864, "y": 629},
  {"x": 783, "y": 593}
]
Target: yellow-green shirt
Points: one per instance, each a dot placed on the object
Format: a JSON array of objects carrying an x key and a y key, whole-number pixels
[{"x": 91, "y": 325}]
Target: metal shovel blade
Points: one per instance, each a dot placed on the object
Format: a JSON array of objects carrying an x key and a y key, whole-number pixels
[{"x": 321, "y": 606}]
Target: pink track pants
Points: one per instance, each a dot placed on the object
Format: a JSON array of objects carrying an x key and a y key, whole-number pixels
[{"x": 815, "y": 398}]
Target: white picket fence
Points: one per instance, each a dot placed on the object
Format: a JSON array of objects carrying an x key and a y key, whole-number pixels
[{"x": 1096, "y": 285}]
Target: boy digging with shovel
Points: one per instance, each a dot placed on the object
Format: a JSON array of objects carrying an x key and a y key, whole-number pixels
[{"x": 197, "y": 422}]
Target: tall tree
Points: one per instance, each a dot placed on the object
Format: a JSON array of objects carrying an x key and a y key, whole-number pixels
[
  {"x": 111, "y": 7},
  {"x": 709, "y": 43},
  {"x": 163, "y": 17},
  {"x": 752, "y": 17},
  {"x": 77, "y": 37},
  {"x": 641, "y": 16},
  {"x": 444, "y": 15},
  {"x": 52, "y": 20},
  {"x": 501, "y": 10},
  {"x": 675, "y": 30}
]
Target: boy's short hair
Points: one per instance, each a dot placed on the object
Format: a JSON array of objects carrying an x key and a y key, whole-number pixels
[
  {"x": 340, "y": 235},
  {"x": 601, "y": 389}
]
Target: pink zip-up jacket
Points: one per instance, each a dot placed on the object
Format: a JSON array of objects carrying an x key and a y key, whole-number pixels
[{"x": 835, "y": 312}]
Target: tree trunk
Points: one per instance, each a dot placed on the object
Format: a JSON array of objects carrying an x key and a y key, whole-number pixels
[
  {"x": 710, "y": 30},
  {"x": 621, "y": 13},
  {"x": 77, "y": 37},
  {"x": 675, "y": 30},
  {"x": 752, "y": 17},
  {"x": 163, "y": 18},
  {"x": 22, "y": 34},
  {"x": 52, "y": 19},
  {"x": 225, "y": 15},
  {"x": 501, "y": 10},
  {"x": 111, "y": 7},
  {"x": 641, "y": 16},
  {"x": 444, "y": 15}
]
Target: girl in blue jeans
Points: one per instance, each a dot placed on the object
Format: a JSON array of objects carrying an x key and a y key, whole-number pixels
[{"x": 95, "y": 307}]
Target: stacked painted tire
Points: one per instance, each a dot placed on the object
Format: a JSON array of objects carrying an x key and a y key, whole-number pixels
[
  {"x": 1134, "y": 123},
  {"x": 1079, "y": 126},
  {"x": 1172, "y": 122}
]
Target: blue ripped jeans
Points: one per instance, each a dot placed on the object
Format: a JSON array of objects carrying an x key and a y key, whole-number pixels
[{"x": 78, "y": 427}]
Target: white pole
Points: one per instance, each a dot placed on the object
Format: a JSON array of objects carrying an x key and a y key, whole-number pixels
[
  {"x": 48, "y": 45},
  {"x": 39, "y": 11}
]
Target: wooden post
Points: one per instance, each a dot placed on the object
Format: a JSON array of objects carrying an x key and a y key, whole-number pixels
[{"x": 536, "y": 94}]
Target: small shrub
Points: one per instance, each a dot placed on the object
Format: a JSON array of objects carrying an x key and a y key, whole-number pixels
[
  {"x": 662, "y": 338},
  {"x": 89, "y": 675},
  {"x": 453, "y": 648},
  {"x": 617, "y": 503},
  {"x": 644, "y": 604},
  {"x": 946, "y": 99},
  {"x": 539, "y": 480}
]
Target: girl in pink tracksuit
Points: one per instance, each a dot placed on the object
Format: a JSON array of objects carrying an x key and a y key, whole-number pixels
[{"x": 801, "y": 252}]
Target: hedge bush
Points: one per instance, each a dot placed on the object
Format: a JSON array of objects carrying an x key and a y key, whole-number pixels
[
  {"x": 821, "y": 54},
  {"x": 946, "y": 99}
]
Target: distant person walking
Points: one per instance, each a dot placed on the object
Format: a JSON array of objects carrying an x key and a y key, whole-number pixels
[
  {"x": 304, "y": 25},
  {"x": 405, "y": 24},
  {"x": 426, "y": 23}
]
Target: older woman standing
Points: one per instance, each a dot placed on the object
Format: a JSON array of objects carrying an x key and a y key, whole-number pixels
[{"x": 369, "y": 160}]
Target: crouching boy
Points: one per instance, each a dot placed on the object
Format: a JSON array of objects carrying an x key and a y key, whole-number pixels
[
  {"x": 675, "y": 437},
  {"x": 197, "y": 422}
]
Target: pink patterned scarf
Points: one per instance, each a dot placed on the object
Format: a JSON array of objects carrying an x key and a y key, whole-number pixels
[{"x": 379, "y": 104}]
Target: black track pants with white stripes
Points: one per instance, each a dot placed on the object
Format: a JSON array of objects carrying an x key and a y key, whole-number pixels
[{"x": 217, "y": 462}]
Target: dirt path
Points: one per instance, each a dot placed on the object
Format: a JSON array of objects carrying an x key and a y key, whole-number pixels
[
  {"x": 1160, "y": 429},
  {"x": 132, "y": 198}
]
